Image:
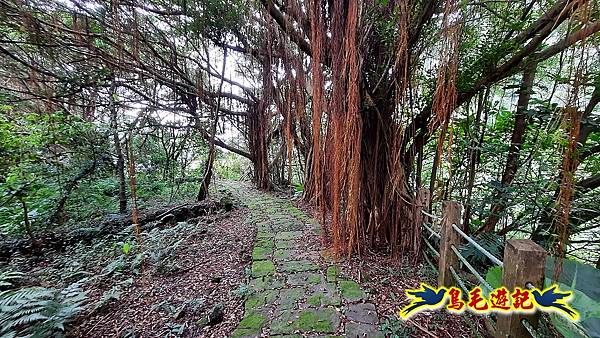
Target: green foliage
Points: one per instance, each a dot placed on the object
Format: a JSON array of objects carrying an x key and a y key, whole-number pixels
[
  {"x": 41, "y": 152},
  {"x": 578, "y": 278},
  {"x": 38, "y": 311},
  {"x": 575, "y": 277},
  {"x": 125, "y": 247},
  {"x": 395, "y": 328},
  {"x": 216, "y": 19},
  {"x": 489, "y": 241},
  {"x": 494, "y": 278},
  {"x": 243, "y": 291},
  {"x": 8, "y": 277},
  {"x": 229, "y": 166}
]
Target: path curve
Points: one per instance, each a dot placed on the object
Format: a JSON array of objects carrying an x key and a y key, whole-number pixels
[{"x": 295, "y": 292}]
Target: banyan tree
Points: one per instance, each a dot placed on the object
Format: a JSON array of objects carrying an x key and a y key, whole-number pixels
[
  {"x": 384, "y": 80},
  {"x": 353, "y": 93}
]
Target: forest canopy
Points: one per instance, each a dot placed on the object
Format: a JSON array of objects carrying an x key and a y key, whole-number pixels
[{"x": 368, "y": 110}]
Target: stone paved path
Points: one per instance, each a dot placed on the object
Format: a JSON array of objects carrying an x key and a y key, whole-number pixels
[{"x": 295, "y": 293}]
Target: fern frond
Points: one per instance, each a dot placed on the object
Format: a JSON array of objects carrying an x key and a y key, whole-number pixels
[{"x": 38, "y": 312}]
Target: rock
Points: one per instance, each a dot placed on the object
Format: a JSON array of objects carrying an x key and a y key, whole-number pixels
[
  {"x": 360, "y": 330},
  {"x": 200, "y": 210},
  {"x": 167, "y": 219},
  {"x": 202, "y": 322},
  {"x": 227, "y": 203},
  {"x": 216, "y": 315},
  {"x": 351, "y": 291},
  {"x": 363, "y": 313},
  {"x": 245, "y": 257}
]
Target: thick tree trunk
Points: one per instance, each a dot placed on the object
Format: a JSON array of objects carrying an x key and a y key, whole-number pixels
[
  {"x": 259, "y": 122},
  {"x": 512, "y": 162},
  {"x": 314, "y": 176}
]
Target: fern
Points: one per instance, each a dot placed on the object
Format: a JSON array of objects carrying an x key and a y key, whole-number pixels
[
  {"x": 7, "y": 278},
  {"x": 113, "y": 294},
  {"x": 489, "y": 241},
  {"x": 38, "y": 311}
]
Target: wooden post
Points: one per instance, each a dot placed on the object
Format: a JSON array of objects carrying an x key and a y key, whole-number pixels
[
  {"x": 524, "y": 263},
  {"x": 422, "y": 204},
  {"x": 451, "y": 215}
]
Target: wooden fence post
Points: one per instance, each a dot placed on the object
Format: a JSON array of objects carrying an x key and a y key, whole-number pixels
[
  {"x": 524, "y": 262},
  {"x": 422, "y": 204},
  {"x": 451, "y": 215}
]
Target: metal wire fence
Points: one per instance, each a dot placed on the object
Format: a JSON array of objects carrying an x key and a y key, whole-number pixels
[{"x": 456, "y": 275}]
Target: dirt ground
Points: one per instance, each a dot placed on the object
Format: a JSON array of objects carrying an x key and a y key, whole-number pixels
[
  {"x": 190, "y": 283},
  {"x": 210, "y": 268}
]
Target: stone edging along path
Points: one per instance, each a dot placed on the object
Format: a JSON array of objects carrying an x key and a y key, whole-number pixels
[{"x": 294, "y": 293}]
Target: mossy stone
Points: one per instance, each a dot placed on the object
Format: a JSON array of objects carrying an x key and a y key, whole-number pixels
[
  {"x": 285, "y": 254},
  {"x": 266, "y": 243},
  {"x": 351, "y": 291},
  {"x": 314, "y": 278},
  {"x": 288, "y": 235},
  {"x": 245, "y": 333},
  {"x": 317, "y": 320},
  {"x": 260, "y": 253},
  {"x": 261, "y": 299},
  {"x": 264, "y": 234},
  {"x": 298, "y": 266},
  {"x": 262, "y": 268},
  {"x": 333, "y": 273},
  {"x": 314, "y": 300},
  {"x": 312, "y": 320},
  {"x": 324, "y": 295},
  {"x": 289, "y": 298},
  {"x": 253, "y": 320},
  {"x": 284, "y": 244}
]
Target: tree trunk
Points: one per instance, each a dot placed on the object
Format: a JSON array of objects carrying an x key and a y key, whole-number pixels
[
  {"x": 545, "y": 228},
  {"x": 259, "y": 122},
  {"x": 208, "y": 167},
  {"x": 26, "y": 222},
  {"x": 474, "y": 153},
  {"x": 120, "y": 167},
  {"x": 133, "y": 187},
  {"x": 512, "y": 162},
  {"x": 58, "y": 217}
]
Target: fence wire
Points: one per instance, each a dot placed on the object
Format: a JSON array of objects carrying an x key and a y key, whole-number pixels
[
  {"x": 461, "y": 283},
  {"x": 432, "y": 231},
  {"x": 472, "y": 269},
  {"x": 435, "y": 252},
  {"x": 430, "y": 215},
  {"x": 478, "y": 247}
]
